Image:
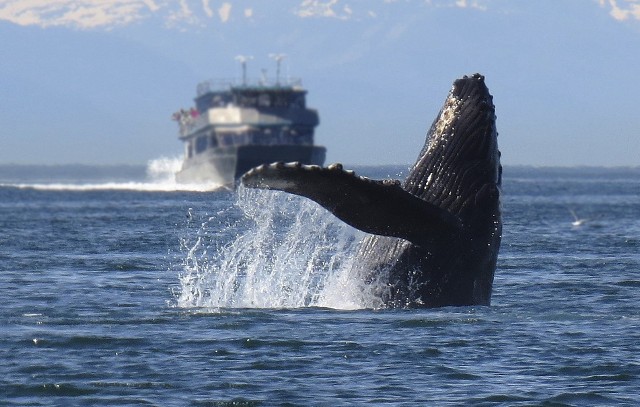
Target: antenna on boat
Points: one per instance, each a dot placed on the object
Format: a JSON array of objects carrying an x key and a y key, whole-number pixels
[
  {"x": 243, "y": 61},
  {"x": 278, "y": 58}
]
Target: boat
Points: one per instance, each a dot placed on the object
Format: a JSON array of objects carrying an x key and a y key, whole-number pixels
[{"x": 234, "y": 127}]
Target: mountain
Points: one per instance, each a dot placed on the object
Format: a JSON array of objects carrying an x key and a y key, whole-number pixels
[{"x": 87, "y": 82}]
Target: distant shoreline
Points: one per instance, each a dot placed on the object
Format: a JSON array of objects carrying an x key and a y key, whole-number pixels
[
  {"x": 70, "y": 172},
  {"x": 138, "y": 166},
  {"x": 140, "y": 172}
]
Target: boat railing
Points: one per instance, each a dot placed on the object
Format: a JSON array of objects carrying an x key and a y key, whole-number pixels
[
  {"x": 189, "y": 121},
  {"x": 214, "y": 85}
]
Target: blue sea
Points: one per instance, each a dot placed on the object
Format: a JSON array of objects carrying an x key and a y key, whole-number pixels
[{"x": 119, "y": 288}]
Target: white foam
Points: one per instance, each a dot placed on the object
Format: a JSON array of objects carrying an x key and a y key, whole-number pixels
[
  {"x": 119, "y": 186},
  {"x": 164, "y": 169},
  {"x": 287, "y": 252},
  {"x": 160, "y": 178}
]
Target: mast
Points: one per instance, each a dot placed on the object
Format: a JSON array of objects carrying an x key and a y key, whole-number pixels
[
  {"x": 243, "y": 61},
  {"x": 278, "y": 58}
]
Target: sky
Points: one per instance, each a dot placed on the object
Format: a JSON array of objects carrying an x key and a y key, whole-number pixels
[{"x": 96, "y": 81}]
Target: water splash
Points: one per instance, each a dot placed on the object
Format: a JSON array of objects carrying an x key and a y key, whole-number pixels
[
  {"x": 160, "y": 177},
  {"x": 161, "y": 172},
  {"x": 281, "y": 252},
  {"x": 164, "y": 169}
]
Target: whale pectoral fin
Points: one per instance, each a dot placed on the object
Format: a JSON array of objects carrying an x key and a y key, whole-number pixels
[{"x": 376, "y": 207}]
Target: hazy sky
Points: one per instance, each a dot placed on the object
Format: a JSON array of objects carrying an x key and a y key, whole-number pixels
[{"x": 96, "y": 81}]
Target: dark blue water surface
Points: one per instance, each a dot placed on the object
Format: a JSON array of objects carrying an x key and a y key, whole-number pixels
[{"x": 143, "y": 296}]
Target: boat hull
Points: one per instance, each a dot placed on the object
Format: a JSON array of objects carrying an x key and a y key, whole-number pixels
[{"x": 224, "y": 165}]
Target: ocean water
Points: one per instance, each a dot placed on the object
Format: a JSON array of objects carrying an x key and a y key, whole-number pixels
[{"x": 120, "y": 287}]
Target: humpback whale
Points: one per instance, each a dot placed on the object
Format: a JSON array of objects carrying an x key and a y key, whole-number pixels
[{"x": 434, "y": 238}]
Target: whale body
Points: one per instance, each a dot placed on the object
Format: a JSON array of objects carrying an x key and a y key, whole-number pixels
[{"x": 434, "y": 238}]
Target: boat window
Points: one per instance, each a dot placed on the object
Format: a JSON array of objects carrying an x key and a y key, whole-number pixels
[
  {"x": 201, "y": 144},
  {"x": 298, "y": 101},
  {"x": 264, "y": 100},
  {"x": 247, "y": 100}
]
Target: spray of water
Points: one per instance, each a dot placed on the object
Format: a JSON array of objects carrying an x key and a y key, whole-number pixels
[
  {"x": 163, "y": 169},
  {"x": 283, "y": 252},
  {"x": 160, "y": 178}
]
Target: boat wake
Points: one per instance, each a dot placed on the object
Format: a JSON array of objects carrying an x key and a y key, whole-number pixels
[
  {"x": 158, "y": 177},
  {"x": 286, "y": 252}
]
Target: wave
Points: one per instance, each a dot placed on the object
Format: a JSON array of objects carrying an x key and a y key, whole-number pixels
[
  {"x": 120, "y": 186},
  {"x": 159, "y": 176},
  {"x": 286, "y": 252}
]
